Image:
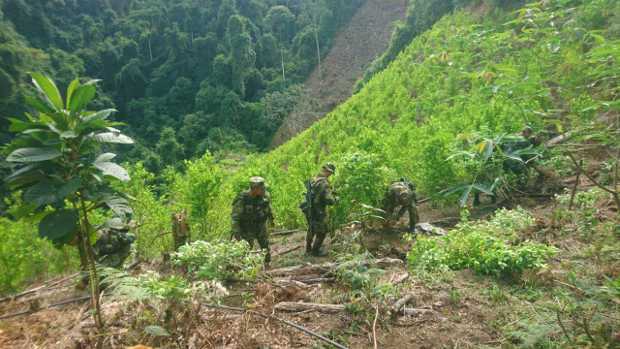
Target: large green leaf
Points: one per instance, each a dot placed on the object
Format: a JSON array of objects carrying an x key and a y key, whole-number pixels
[
  {"x": 100, "y": 115},
  {"x": 41, "y": 194},
  {"x": 83, "y": 95},
  {"x": 38, "y": 104},
  {"x": 25, "y": 155},
  {"x": 59, "y": 226},
  {"x": 71, "y": 89},
  {"x": 46, "y": 86},
  {"x": 105, "y": 157},
  {"x": 113, "y": 170},
  {"x": 119, "y": 205},
  {"x": 113, "y": 137}
]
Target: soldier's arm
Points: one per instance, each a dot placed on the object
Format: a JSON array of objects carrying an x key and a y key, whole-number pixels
[
  {"x": 328, "y": 194},
  {"x": 269, "y": 210}
]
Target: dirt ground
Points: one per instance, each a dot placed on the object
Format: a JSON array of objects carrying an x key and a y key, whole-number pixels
[{"x": 455, "y": 312}]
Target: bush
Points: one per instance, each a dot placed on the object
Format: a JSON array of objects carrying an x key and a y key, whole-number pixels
[
  {"x": 24, "y": 257},
  {"x": 479, "y": 247},
  {"x": 219, "y": 260}
]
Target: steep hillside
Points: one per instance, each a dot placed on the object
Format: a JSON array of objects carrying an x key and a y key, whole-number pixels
[
  {"x": 472, "y": 74},
  {"x": 354, "y": 48}
]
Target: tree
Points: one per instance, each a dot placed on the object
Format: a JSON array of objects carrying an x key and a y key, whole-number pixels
[
  {"x": 281, "y": 21},
  {"x": 243, "y": 56},
  {"x": 169, "y": 149},
  {"x": 62, "y": 173}
]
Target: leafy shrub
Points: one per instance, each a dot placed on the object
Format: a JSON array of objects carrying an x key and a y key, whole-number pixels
[
  {"x": 219, "y": 260},
  {"x": 479, "y": 247},
  {"x": 355, "y": 271},
  {"x": 24, "y": 257}
]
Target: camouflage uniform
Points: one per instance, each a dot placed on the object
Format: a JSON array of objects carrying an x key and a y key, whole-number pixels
[
  {"x": 113, "y": 247},
  {"x": 249, "y": 217},
  {"x": 316, "y": 213},
  {"x": 401, "y": 194}
]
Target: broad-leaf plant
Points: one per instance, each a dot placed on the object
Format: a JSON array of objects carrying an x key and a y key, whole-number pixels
[{"x": 62, "y": 171}]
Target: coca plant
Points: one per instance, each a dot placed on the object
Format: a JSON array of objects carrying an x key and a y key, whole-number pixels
[{"x": 61, "y": 170}]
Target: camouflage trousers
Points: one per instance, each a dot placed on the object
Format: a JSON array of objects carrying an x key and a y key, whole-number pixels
[
  {"x": 317, "y": 231},
  {"x": 259, "y": 235}
]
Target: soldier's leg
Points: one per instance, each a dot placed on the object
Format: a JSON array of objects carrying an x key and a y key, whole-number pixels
[
  {"x": 263, "y": 242},
  {"x": 413, "y": 218},
  {"x": 310, "y": 237},
  {"x": 321, "y": 233}
]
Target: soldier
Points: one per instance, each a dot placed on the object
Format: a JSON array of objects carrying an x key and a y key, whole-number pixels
[
  {"x": 319, "y": 195},
  {"x": 180, "y": 229},
  {"x": 401, "y": 194},
  {"x": 114, "y": 246},
  {"x": 250, "y": 213}
]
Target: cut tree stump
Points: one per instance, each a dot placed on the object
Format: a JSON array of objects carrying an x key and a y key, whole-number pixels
[{"x": 294, "y": 307}]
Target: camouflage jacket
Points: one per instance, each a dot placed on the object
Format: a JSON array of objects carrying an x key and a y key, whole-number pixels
[
  {"x": 401, "y": 194},
  {"x": 249, "y": 212},
  {"x": 322, "y": 196}
]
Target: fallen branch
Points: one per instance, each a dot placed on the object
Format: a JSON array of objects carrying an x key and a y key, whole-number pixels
[
  {"x": 400, "y": 279},
  {"x": 614, "y": 193},
  {"x": 559, "y": 139},
  {"x": 374, "y": 326},
  {"x": 324, "y": 268},
  {"x": 51, "y": 283},
  {"x": 295, "y": 307},
  {"x": 287, "y": 322},
  {"x": 399, "y": 304},
  {"x": 417, "y": 311},
  {"x": 32, "y": 311},
  {"x": 287, "y": 251},
  {"x": 286, "y": 232}
]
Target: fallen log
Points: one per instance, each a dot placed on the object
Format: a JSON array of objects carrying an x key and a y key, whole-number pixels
[
  {"x": 415, "y": 312},
  {"x": 32, "y": 311},
  {"x": 50, "y": 283},
  {"x": 324, "y": 268},
  {"x": 400, "y": 278},
  {"x": 287, "y": 251},
  {"x": 287, "y": 322},
  {"x": 302, "y": 269},
  {"x": 296, "y": 307},
  {"x": 399, "y": 304},
  {"x": 286, "y": 232}
]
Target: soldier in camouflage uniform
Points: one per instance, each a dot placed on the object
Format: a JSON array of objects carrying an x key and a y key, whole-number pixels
[
  {"x": 401, "y": 194},
  {"x": 114, "y": 246},
  {"x": 250, "y": 213},
  {"x": 320, "y": 195}
]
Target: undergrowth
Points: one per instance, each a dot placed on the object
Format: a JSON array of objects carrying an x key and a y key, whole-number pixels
[{"x": 485, "y": 247}]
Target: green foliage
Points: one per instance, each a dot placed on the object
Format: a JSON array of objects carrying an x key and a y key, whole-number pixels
[
  {"x": 57, "y": 159},
  {"x": 466, "y": 75},
  {"x": 361, "y": 179},
  {"x": 196, "y": 190},
  {"x": 219, "y": 260},
  {"x": 492, "y": 163},
  {"x": 155, "y": 56},
  {"x": 355, "y": 272},
  {"x": 151, "y": 213},
  {"x": 25, "y": 258},
  {"x": 480, "y": 247}
]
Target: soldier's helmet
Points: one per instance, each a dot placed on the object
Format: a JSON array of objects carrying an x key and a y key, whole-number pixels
[
  {"x": 329, "y": 167},
  {"x": 256, "y": 182}
]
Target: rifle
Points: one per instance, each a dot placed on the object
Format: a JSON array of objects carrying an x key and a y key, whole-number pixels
[{"x": 307, "y": 209}]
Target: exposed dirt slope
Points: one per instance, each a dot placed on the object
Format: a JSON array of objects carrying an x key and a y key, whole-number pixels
[{"x": 365, "y": 38}]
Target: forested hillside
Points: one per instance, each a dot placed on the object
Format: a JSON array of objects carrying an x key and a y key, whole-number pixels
[
  {"x": 186, "y": 76},
  {"x": 355, "y": 47}
]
